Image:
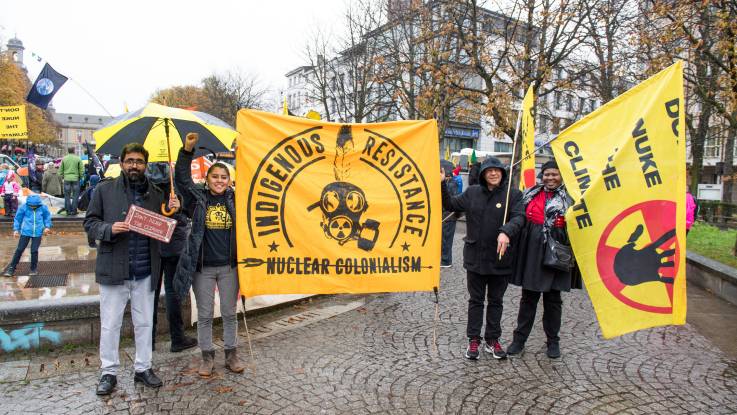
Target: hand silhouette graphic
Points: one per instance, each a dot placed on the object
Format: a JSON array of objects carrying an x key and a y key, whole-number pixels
[{"x": 633, "y": 266}]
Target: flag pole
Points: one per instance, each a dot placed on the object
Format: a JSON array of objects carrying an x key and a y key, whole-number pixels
[
  {"x": 511, "y": 165},
  {"x": 534, "y": 151}
]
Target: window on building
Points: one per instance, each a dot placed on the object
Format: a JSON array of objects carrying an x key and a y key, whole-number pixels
[
  {"x": 712, "y": 147},
  {"x": 542, "y": 124},
  {"x": 502, "y": 147},
  {"x": 569, "y": 102},
  {"x": 592, "y": 104},
  {"x": 582, "y": 104},
  {"x": 558, "y": 100}
]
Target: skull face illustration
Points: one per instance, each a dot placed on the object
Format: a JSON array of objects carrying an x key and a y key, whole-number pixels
[{"x": 342, "y": 205}]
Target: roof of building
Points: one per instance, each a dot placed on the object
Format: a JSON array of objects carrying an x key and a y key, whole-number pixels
[
  {"x": 81, "y": 120},
  {"x": 301, "y": 68},
  {"x": 15, "y": 42}
]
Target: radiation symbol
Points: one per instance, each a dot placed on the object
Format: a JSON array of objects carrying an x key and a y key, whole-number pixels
[
  {"x": 340, "y": 228},
  {"x": 638, "y": 256}
]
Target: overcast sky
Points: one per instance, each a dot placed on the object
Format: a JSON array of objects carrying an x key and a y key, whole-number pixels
[{"x": 121, "y": 52}]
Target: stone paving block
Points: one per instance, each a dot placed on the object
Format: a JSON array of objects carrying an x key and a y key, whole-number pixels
[
  {"x": 14, "y": 371},
  {"x": 375, "y": 354}
]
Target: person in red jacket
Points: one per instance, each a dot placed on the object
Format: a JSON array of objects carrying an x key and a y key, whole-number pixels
[{"x": 545, "y": 207}]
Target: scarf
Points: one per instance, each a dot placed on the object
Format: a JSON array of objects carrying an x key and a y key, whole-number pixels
[{"x": 556, "y": 206}]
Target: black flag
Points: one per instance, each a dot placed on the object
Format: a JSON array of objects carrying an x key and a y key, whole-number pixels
[{"x": 47, "y": 84}]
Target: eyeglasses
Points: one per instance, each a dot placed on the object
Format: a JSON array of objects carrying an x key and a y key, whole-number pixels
[{"x": 134, "y": 162}]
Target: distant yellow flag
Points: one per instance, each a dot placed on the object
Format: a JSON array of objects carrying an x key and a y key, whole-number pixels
[
  {"x": 285, "y": 108},
  {"x": 336, "y": 208},
  {"x": 625, "y": 167},
  {"x": 447, "y": 152},
  {"x": 527, "y": 166}
]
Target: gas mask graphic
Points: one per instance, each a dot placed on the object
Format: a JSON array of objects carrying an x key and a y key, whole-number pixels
[{"x": 342, "y": 203}]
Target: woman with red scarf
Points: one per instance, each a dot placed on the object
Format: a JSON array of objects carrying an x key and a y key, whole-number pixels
[{"x": 545, "y": 207}]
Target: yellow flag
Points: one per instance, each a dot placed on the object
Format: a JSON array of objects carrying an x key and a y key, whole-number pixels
[
  {"x": 285, "y": 108},
  {"x": 625, "y": 167},
  {"x": 447, "y": 152},
  {"x": 336, "y": 208},
  {"x": 527, "y": 166},
  {"x": 13, "y": 125}
]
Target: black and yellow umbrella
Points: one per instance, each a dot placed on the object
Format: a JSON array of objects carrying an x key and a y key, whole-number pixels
[{"x": 161, "y": 130}]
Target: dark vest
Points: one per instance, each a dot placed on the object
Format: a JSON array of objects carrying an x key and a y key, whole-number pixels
[{"x": 139, "y": 266}]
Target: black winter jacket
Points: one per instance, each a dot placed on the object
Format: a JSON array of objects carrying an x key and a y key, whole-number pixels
[
  {"x": 110, "y": 204},
  {"x": 195, "y": 204},
  {"x": 484, "y": 210}
]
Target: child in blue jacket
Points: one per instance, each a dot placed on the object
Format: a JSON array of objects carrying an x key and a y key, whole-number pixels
[{"x": 32, "y": 221}]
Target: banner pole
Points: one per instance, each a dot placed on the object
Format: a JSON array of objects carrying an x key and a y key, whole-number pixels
[
  {"x": 435, "y": 322},
  {"x": 248, "y": 335},
  {"x": 511, "y": 165}
]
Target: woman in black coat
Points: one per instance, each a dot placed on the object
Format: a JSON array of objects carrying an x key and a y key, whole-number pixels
[{"x": 545, "y": 207}]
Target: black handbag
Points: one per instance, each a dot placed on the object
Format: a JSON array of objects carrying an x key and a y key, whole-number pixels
[{"x": 557, "y": 255}]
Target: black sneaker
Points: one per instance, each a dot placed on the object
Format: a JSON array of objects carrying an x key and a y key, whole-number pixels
[
  {"x": 106, "y": 385},
  {"x": 516, "y": 348},
  {"x": 9, "y": 272},
  {"x": 184, "y": 344},
  {"x": 32, "y": 273},
  {"x": 472, "y": 351},
  {"x": 553, "y": 351},
  {"x": 493, "y": 347}
]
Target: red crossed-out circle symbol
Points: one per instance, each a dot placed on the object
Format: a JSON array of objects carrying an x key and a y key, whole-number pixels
[{"x": 659, "y": 225}]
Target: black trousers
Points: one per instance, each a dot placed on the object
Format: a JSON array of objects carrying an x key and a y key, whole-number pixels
[
  {"x": 173, "y": 305},
  {"x": 491, "y": 288},
  {"x": 552, "y": 312},
  {"x": 446, "y": 247}
]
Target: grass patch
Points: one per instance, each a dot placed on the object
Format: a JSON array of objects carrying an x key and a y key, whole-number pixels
[{"x": 713, "y": 243}]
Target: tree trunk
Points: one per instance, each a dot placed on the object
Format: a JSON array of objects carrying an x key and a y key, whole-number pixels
[{"x": 727, "y": 179}]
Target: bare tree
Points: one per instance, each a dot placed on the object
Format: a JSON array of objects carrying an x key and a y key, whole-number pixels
[
  {"x": 228, "y": 92},
  {"x": 318, "y": 87},
  {"x": 521, "y": 46},
  {"x": 353, "y": 70},
  {"x": 610, "y": 30}
]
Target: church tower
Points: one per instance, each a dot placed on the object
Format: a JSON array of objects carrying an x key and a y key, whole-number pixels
[{"x": 15, "y": 51}]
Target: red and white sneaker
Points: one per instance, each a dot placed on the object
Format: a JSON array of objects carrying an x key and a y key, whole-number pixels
[{"x": 495, "y": 348}]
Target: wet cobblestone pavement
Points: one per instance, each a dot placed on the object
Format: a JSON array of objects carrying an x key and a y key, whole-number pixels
[{"x": 378, "y": 356}]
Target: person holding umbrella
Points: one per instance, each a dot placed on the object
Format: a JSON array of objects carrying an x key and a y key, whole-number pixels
[
  {"x": 209, "y": 258},
  {"x": 127, "y": 266}
]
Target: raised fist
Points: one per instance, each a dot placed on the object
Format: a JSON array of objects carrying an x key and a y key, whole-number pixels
[{"x": 190, "y": 141}]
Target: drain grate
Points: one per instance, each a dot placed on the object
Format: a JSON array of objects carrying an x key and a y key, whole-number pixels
[
  {"x": 41, "y": 281},
  {"x": 75, "y": 266}
]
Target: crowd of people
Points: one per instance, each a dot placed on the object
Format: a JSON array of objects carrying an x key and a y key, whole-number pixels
[{"x": 507, "y": 232}]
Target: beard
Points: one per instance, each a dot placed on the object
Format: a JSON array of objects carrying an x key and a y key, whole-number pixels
[{"x": 134, "y": 175}]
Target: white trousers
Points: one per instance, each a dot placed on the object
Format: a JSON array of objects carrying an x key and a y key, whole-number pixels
[{"x": 113, "y": 299}]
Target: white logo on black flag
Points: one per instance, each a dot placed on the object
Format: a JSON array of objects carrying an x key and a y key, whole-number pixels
[{"x": 47, "y": 84}]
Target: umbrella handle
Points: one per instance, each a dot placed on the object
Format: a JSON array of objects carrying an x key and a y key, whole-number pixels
[{"x": 164, "y": 209}]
